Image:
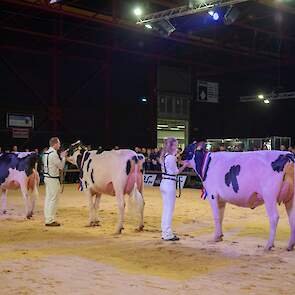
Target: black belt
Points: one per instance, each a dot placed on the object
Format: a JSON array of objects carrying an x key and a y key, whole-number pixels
[
  {"x": 54, "y": 177},
  {"x": 176, "y": 179}
]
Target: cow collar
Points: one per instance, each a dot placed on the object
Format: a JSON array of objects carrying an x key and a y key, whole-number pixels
[{"x": 202, "y": 161}]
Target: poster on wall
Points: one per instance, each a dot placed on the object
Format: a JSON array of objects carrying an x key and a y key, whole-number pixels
[
  {"x": 207, "y": 91},
  {"x": 19, "y": 120}
]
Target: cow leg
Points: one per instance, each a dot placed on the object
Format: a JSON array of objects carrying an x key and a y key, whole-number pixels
[
  {"x": 121, "y": 209},
  {"x": 91, "y": 209},
  {"x": 290, "y": 208},
  {"x": 34, "y": 195},
  {"x": 221, "y": 207},
  {"x": 26, "y": 200},
  {"x": 4, "y": 201},
  {"x": 96, "y": 208},
  {"x": 273, "y": 215},
  {"x": 217, "y": 218}
]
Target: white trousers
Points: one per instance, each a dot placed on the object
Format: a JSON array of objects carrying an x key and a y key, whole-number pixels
[
  {"x": 168, "y": 191},
  {"x": 52, "y": 190}
]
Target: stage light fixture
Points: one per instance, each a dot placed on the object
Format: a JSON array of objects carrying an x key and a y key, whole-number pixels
[
  {"x": 231, "y": 15},
  {"x": 215, "y": 16},
  {"x": 260, "y": 96},
  {"x": 148, "y": 26},
  {"x": 267, "y": 101},
  {"x": 137, "y": 11},
  {"x": 165, "y": 27}
]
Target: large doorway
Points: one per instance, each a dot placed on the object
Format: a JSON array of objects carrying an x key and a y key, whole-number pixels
[{"x": 175, "y": 128}]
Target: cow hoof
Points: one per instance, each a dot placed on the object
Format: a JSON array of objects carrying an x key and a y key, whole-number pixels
[
  {"x": 93, "y": 223},
  {"x": 4, "y": 212},
  {"x": 140, "y": 228},
  {"x": 268, "y": 247},
  {"x": 290, "y": 248},
  {"x": 218, "y": 239},
  {"x": 119, "y": 231}
]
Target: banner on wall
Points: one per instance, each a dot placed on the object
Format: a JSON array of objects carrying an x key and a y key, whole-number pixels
[
  {"x": 154, "y": 180},
  {"x": 149, "y": 179}
]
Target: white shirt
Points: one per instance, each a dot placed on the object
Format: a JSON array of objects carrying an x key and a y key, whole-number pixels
[
  {"x": 52, "y": 163},
  {"x": 169, "y": 165}
]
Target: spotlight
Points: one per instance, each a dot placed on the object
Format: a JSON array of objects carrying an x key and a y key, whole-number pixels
[
  {"x": 231, "y": 15},
  {"x": 260, "y": 96},
  {"x": 216, "y": 16},
  {"x": 267, "y": 101},
  {"x": 144, "y": 99},
  {"x": 165, "y": 27},
  {"x": 148, "y": 26},
  {"x": 137, "y": 11},
  {"x": 54, "y": 1}
]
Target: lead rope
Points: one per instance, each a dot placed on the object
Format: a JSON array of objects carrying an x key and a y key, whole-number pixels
[{"x": 178, "y": 181}]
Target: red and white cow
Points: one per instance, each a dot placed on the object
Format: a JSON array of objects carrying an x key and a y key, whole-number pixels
[
  {"x": 114, "y": 173},
  {"x": 246, "y": 179},
  {"x": 18, "y": 170}
]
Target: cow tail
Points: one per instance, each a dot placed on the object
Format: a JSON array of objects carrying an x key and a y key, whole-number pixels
[{"x": 136, "y": 201}]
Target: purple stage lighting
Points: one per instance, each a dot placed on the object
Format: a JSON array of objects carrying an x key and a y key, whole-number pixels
[{"x": 215, "y": 16}]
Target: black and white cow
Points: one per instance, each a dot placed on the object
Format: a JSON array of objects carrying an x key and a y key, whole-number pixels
[
  {"x": 246, "y": 179},
  {"x": 19, "y": 170},
  {"x": 113, "y": 173}
]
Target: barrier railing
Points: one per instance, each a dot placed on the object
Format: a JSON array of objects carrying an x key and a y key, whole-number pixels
[{"x": 151, "y": 178}]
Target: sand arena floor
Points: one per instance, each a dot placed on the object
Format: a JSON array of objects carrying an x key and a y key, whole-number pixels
[{"x": 75, "y": 259}]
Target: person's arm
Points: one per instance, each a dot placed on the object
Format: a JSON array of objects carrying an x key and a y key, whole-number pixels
[
  {"x": 60, "y": 163},
  {"x": 171, "y": 161},
  {"x": 180, "y": 170}
]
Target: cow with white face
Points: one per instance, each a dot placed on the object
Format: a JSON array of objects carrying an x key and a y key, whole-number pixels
[
  {"x": 114, "y": 173},
  {"x": 246, "y": 179},
  {"x": 19, "y": 170}
]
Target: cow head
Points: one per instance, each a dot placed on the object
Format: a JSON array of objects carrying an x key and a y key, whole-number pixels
[
  {"x": 75, "y": 152},
  {"x": 188, "y": 154}
]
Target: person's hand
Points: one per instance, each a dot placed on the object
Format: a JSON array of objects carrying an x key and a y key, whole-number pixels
[
  {"x": 185, "y": 164},
  {"x": 63, "y": 154}
]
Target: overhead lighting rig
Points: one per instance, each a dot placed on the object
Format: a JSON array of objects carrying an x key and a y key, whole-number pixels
[{"x": 193, "y": 7}]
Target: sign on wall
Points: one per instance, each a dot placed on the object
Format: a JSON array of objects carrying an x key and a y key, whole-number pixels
[
  {"x": 149, "y": 179},
  {"x": 207, "y": 91},
  {"x": 17, "y": 120},
  {"x": 21, "y": 133}
]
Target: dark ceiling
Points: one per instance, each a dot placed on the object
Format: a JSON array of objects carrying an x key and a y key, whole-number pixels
[{"x": 261, "y": 37}]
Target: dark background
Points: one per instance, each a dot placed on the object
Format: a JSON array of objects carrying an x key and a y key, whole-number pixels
[{"x": 91, "y": 90}]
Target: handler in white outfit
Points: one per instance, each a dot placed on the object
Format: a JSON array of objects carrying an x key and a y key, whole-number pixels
[
  {"x": 52, "y": 166},
  {"x": 168, "y": 186}
]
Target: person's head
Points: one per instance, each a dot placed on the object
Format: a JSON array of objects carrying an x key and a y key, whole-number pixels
[
  {"x": 222, "y": 148},
  {"x": 137, "y": 149},
  {"x": 14, "y": 148},
  {"x": 169, "y": 146},
  {"x": 27, "y": 150},
  {"x": 143, "y": 150},
  {"x": 54, "y": 142},
  {"x": 283, "y": 147},
  {"x": 36, "y": 150}
]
